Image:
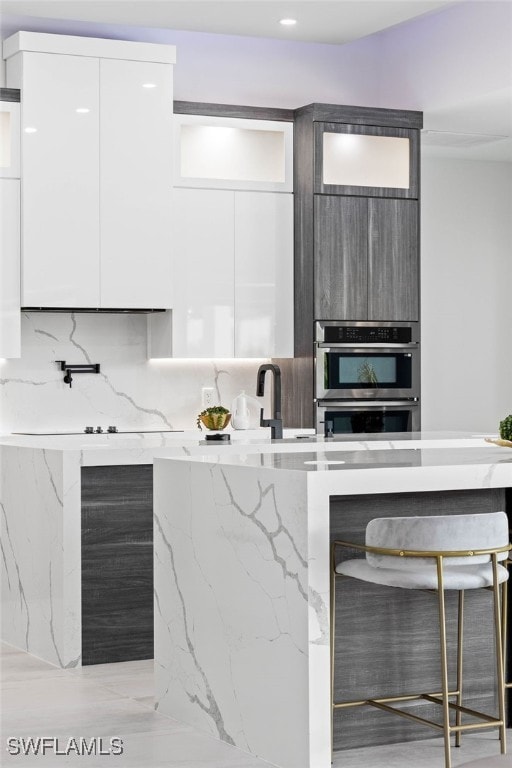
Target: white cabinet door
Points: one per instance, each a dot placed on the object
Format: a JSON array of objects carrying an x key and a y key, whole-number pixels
[
  {"x": 263, "y": 274},
  {"x": 203, "y": 273},
  {"x": 10, "y": 268},
  {"x": 60, "y": 171},
  {"x": 9, "y": 140},
  {"x": 135, "y": 186}
]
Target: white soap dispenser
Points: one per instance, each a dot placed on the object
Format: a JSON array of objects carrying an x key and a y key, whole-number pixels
[{"x": 240, "y": 418}]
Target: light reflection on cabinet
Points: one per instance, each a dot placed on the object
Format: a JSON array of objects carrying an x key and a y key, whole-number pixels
[{"x": 233, "y": 153}]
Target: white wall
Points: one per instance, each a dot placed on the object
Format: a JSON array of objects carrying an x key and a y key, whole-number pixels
[
  {"x": 466, "y": 294},
  {"x": 129, "y": 392}
]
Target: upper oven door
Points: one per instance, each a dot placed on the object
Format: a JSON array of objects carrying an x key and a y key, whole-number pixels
[{"x": 367, "y": 372}]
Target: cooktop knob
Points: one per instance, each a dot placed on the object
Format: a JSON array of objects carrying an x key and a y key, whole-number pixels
[
  {"x": 98, "y": 430},
  {"x": 89, "y": 430},
  {"x": 112, "y": 429}
]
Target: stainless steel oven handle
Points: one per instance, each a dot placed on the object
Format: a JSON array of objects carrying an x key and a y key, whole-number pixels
[
  {"x": 364, "y": 345},
  {"x": 366, "y": 404}
]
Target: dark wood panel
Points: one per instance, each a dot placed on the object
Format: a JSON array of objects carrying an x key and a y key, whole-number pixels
[
  {"x": 303, "y": 161},
  {"x": 393, "y": 260},
  {"x": 232, "y": 110},
  {"x": 10, "y": 94},
  {"x": 412, "y": 136},
  {"x": 297, "y": 406},
  {"x": 117, "y": 563},
  {"x": 387, "y": 639},
  {"x": 341, "y": 258},
  {"x": 363, "y": 115},
  {"x": 298, "y": 409}
]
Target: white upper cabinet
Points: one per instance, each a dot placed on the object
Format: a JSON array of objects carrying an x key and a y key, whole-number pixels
[
  {"x": 263, "y": 274},
  {"x": 135, "y": 183},
  {"x": 233, "y": 274},
  {"x": 60, "y": 205},
  {"x": 233, "y": 153},
  {"x": 203, "y": 312},
  {"x": 10, "y": 317},
  {"x": 96, "y": 167},
  {"x": 9, "y": 140}
]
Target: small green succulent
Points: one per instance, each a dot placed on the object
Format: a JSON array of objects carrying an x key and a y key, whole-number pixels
[
  {"x": 216, "y": 417},
  {"x": 506, "y": 428}
]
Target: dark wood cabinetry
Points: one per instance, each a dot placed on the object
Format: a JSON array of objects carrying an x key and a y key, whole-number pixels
[
  {"x": 393, "y": 260},
  {"x": 365, "y": 258},
  {"x": 341, "y": 257},
  {"x": 356, "y": 241},
  {"x": 117, "y": 563}
]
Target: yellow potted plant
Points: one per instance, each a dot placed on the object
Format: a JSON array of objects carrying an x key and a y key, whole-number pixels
[{"x": 215, "y": 418}]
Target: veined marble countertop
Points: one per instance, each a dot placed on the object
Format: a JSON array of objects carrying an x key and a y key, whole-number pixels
[
  {"x": 419, "y": 462},
  {"x": 325, "y": 457},
  {"x": 143, "y": 447}
]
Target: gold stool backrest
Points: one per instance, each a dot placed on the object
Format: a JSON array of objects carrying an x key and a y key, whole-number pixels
[{"x": 474, "y": 535}]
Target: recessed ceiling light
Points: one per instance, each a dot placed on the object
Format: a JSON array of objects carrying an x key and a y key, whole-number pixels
[
  {"x": 30, "y": 129},
  {"x": 149, "y": 85},
  {"x": 82, "y": 110},
  {"x": 288, "y": 22}
]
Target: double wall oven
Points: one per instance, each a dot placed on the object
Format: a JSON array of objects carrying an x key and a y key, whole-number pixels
[{"x": 367, "y": 377}]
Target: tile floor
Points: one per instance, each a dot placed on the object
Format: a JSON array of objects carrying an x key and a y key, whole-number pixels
[{"x": 38, "y": 699}]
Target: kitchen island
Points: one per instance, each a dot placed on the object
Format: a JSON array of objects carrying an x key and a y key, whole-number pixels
[
  {"x": 242, "y": 586},
  {"x": 76, "y": 512}
]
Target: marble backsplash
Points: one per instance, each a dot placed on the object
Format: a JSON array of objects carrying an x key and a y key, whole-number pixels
[{"x": 130, "y": 391}]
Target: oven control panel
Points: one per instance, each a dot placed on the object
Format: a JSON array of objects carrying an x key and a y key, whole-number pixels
[{"x": 356, "y": 334}]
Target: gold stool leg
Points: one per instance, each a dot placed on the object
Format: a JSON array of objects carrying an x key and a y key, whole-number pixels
[
  {"x": 460, "y": 655},
  {"x": 504, "y": 617},
  {"x": 504, "y": 623},
  {"x": 444, "y": 662},
  {"x": 332, "y": 638},
  {"x": 499, "y": 653}
]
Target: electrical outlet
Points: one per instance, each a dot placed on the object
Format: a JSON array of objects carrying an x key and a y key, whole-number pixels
[{"x": 207, "y": 396}]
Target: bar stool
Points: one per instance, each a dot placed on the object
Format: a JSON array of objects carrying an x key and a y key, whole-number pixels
[{"x": 412, "y": 553}]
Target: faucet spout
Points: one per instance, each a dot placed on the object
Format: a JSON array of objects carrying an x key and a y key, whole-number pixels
[{"x": 276, "y": 422}]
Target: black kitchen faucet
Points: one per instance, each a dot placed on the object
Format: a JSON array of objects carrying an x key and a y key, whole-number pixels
[{"x": 276, "y": 422}]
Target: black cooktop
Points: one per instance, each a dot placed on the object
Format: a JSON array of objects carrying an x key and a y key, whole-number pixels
[{"x": 95, "y": 434}]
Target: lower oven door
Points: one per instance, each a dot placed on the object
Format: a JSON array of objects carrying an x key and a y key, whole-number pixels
[{"x": 336, "y": 418}]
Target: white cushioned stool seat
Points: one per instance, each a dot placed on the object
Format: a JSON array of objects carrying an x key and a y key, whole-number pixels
[
  {"x": 424, "y": 576},
  {"x": 441, "y": 533}
]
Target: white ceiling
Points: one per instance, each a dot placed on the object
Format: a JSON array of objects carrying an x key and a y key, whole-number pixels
[{"x": 320, "y": 21}]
